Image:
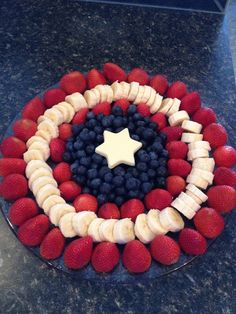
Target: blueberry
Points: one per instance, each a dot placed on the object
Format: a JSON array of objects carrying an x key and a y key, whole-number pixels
[
  {"x": 108, "y": 177},
  {"x": 140, "y": 130},
  {"x": 151, "y": 173},
  {"x": 146, "y": 187},
  {"x": 78, "y": 145},
  {"x": 74, "y": 168},
  {"x": 117, "y": 122},
  {"x": 94, "y": 165},
  {"x": 106, "y": 122},
  {"x": 153, "y": 126},
  {"x": 80, "y": 153},
  {"x": 148, "y": 134},
  {"x": 118, "y": 181},
  {"x": 135, "y": 137},
  {"x": 164, "y": 153},
  {"x": 117, "y": 111},
  {"x": 92, "y": 135},
  {"x": 144, "y": 157},
  {"x": 131, "y": 110},
  {"x": 146, "y": 119},
  {"x": 92, "y": 173},
  {"x": 90, "y": 149},
  {"x": 133, "y": 193},
  {"x": 163, "y": 161},
  {"x": 104, "y": 162},
  {"x": 141, "y": 152},
  {"x": 86, "y": 190},
  {"x": 163, "y": 136},
  {"x": 119, "y": 200},
  {"x": 131, "y": 184},
  {"x": 80, "y": 179},
  {"x": 100, "y": 116},
  {"x": 84, "y": 136},
  {"x": 98, "y": 130},
  {"x": 154, "y": 164},
  {"x": 131, "y": 126},
  {"x": 153, "y": 155},
  {"x": 161, "y": 182},
  {"x": 67, "y": 157},
  {"x": 99, "y": 138},
  {"x": 69, "y": 146},
  {"x": 105, "y": 188},
  {"x": 101, "y": 198},
  {"x": 91, "y": 124},
  {"x": 161, "y": 171},
  {"x": 97, "y": 158},
  {"x": 125, "y": 121},
  {"x": 140, "y": 123},
  {"x": 157, "y": 147},
  {"x": 111, "y": 196},
  {"x": 95, "y": 183},
  {"x": 135, "y": 173},
  {"x": 128, "y": 175},
  {"x": 81, "y": 170},
  {"x": 137, "y": 116},
  {"x": 144, "y": 177},
  {"x": 76, "y": 128},
  {"x": 95, "y": 192},
  {"x": 119, "y": 171},
  {"x": 102, "y": 171},
  {"x": 90, "y": 115},
  {"x": 142, "y": 166},
  {"x": 120, "y": 191},
  {"x": 85, "y": 161}
]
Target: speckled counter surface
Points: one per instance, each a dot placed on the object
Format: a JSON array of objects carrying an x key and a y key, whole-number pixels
[{"x": 39, "y": 41}]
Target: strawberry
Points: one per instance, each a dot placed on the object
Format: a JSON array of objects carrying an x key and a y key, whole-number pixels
[
  {"x": 105, "y": 257},
  {"x": 160, "y": 119},
  {"x": 21, "y": 210},
  {"x": 177, "y": 90},
  {"x": 158, "y": 198},
  {"x": 94, "y": 78},
  {"x": 69, "y": 190},
  {"x": 209, "y": 222},
  {"x": 179, "y": 167},
  {"x": 138, "y": 75},
  {"x": 215, "y": 134},
  {"x": 191, "y": 103},
  {"x": 57, "y": 149},
  {"x": 62, "y": 172},
  {"x": 159, "y": 83},
  {"x": 80, "y": 116},
  {"x": 177, "y": 149},
  {"x": 204, "y": 116},
  {"x": 165, "y": 250},
  {"x": 109, "y": 211},
  {"x": 102, "y": 107},
  {"x": 65, "y": 131},
  {"x": 222, "y": 198},
  {"x": 78, "y": 253},
  {"x": 73, "y": 82},
  {"x": 123, "y": 104},
  {"x": 85, "y": 202},
  {"x": 136, "y": 257},
  {"x": 225, "y": 156},
  {"x": 132, "y": 208},
  {"x": 33, "y": 109},
  {"x": 52, "y": 245},
  {"x": 175, "y": 185},
  {"x": 173, "y": 133},
  {"x": 24, "y": 129},
  {"x": 144, "y": 110},
  {"x": 32, "y": 232},
  {"x": 12, "y": 165},
  {"x": 12, "y": 147},
  {"x": 19, "y": 182},
  {"x": 192, "y": 242},
  {"x": 222, "y": 176},
  {"x": 113, "y": 72},
  {"x": 53, "y": 96}
]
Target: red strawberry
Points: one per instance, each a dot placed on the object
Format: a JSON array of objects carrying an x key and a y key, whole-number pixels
[
  {"x": 78, "y": 253},
  {"x": 215, "y": 134},
  {"x": 225, "y": 156},
  {"x": 132, "y": 208},
  {"x": 69, "y": 190},
  {"x": 136, "y": 257},
  {"x": 65, "y": 131},
  {"x": 53, "y": 245},
  {"x": 222, "y": 176},
  {"x": 123, "y": 104},
  {"x": 62, "y": 172},
  {"x": 178, "y": 167},
  {"x": 158, "y": 198},
  {"x": 57, "y": 149},
  {"x": 80, "y": 116},
  {"x": 173, "y": 133},
  {"x": 204, "y": 116},
  {"x": 12, "y": 147},
  {"x": 33, "y": 109},
  {"x": 165, "y": 250},
  {"x": 191, "y": 103},
  {"x": 175, "y": 185},
  {"x": 95, "y": 78},
  {"x": 109, "y": 211},
  {"x": 102, "y": 107},
  {"x": 144, "y": 110},
  {"x": 53, "y": 96},
  {"x": 105, "y": 257},
  {"x": 24, "y": 129},
  {"x": 73, "y": 82},
  {"x": 19, "y": 182},
  {"x": 160, "y": 119},
  {"x": 113, "y": 72},
  {"x": 192, "y": 242},
  {"x": 12, "y": 165},
  {"x": 159, "y": 83},
  {"x": 177, "y": 149},
  {"x": 85, "y": 202},
  {"x": 138, "y": 75},
  {"x": 177, "y": 90},
  {"x": 209, "y": 222},
  {"x": 222, "y": 198},
  {"x": 21, "y": 210},
  {"x": 32, "y": 232}
]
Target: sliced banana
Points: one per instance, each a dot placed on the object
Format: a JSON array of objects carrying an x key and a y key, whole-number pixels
[
  {"x": 106, "y": 230},
  {"x": 191, "y": 137},
  {"x": 166, "y": 105},
  {"x": 199, "y": 145},
  {"x": 33, "y": 165},
  {"x": 133, "y": 92},
  {"x": 42, "y": 147},
  {"x": 146, "y": 94},
  {"x": 42, "y": 181},
  {"x": 77, "y": 101},
  {"x": 207, "y": 164},
  {"x": 45, "y": 192},
  {"x": 198, "y": 181},
  {"x": 81, "y": 222},
  {"x": 57, "y": 211},
  {"x": 123, "y": 231},
  {"x": 142, "y": 230},
  {"x": 152, "y": 97},
  {"x": 178, "y": 118},
  {"x": 153, "y": 220},
  {"x": 93, "y": 229},
  {"x": 184, "y": 209},
  {"x": 206, "y": 175},
  {"x": 194, "y": 197},
  {"x": 139, "y": 96},
  {"x": 38, "y": 173},
  {"x": 33, "y": 154},
  {"x": 70, "y": 109},
  {"x": 102, "y": 91},
  {"x": 109, "y": 92},
  {"x": 65, "y": 225},
  {"x": 171, "y": 220},
  {"x": 174, "y": 108},
  {"x": 34, "y": 139},
  {"x": 44, "y": 134},
  {"x": 117, "y": 91},
  {"x": 55, "y": 115},
  {"x": 50, "y": 127},
  {"x": 125, "y": 89},
  {"x": 51, "y": 201},
  {"x": 197, "y": 153},
  {"x": 196, "y": 191},
  {"x": 157, "y": 103},
  {"x": 91, "y": 98},
  {"x": 189, "y": 201},
  {"x": 64, "y": 111},
  {"x": 191, "y": 126}
]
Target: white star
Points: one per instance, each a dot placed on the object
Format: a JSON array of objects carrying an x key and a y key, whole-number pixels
[{"x": 118, "y": 148}]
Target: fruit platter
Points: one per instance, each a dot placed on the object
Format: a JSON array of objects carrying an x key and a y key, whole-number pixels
[{"x": 117, "y": 176}]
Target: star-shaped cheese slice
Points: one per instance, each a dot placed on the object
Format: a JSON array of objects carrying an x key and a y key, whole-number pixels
[{"x": 118, "y": 148}]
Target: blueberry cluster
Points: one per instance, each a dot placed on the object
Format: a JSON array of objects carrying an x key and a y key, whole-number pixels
[{"x": 123, "y": 182}]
